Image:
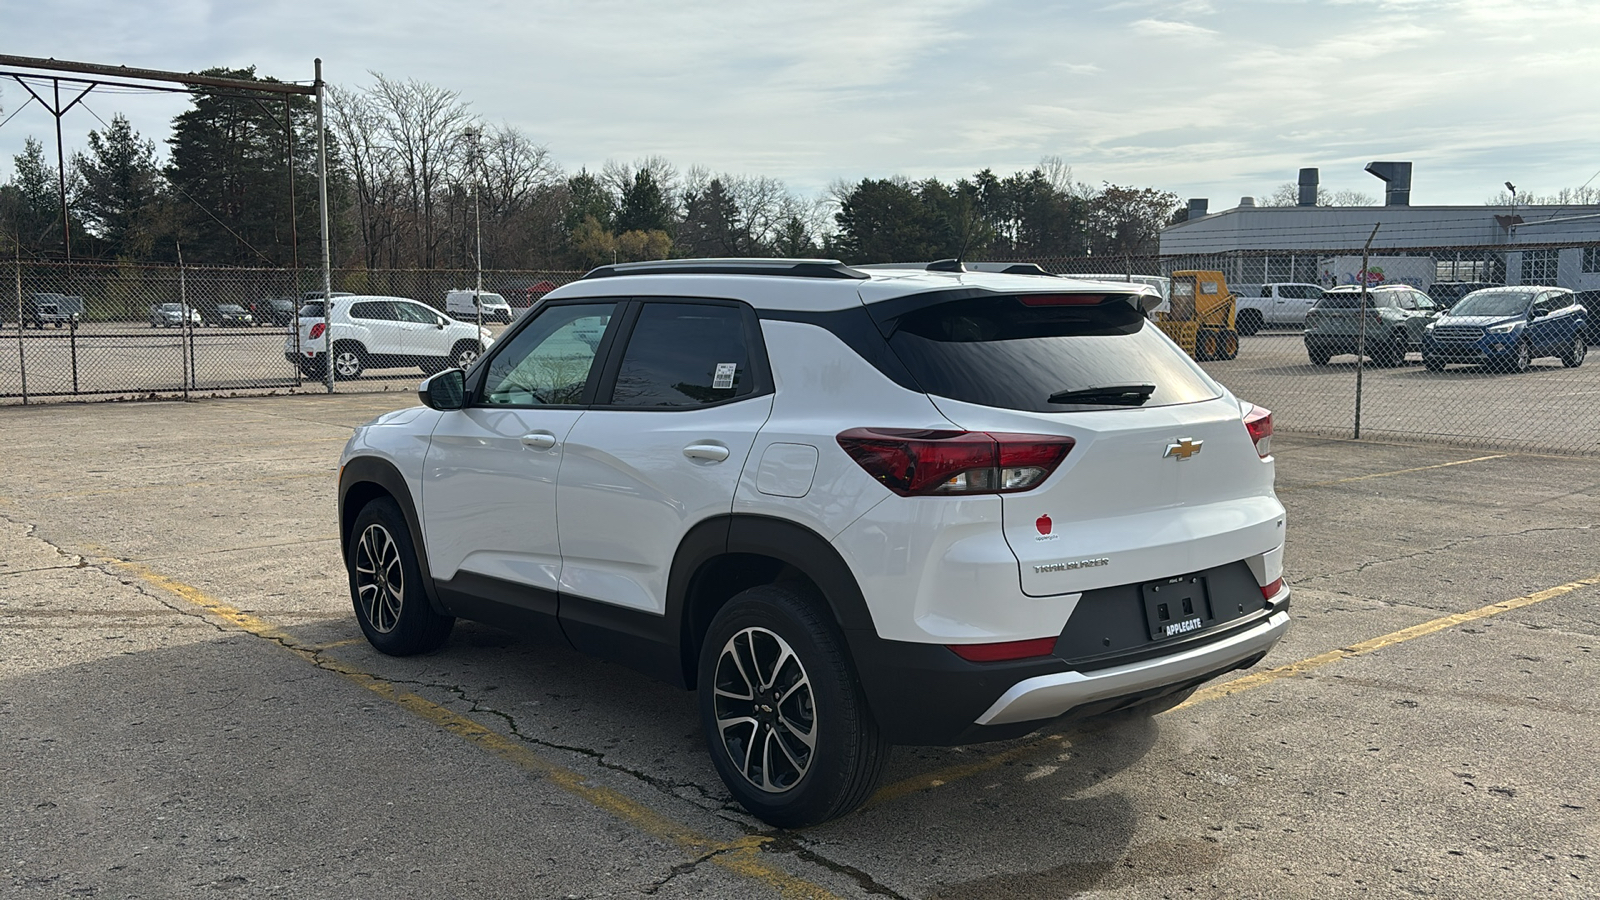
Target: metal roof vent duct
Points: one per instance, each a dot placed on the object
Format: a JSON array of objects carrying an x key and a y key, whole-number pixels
[
  {"x": 1308, "y": 187},
  {"x": 1247, "y": 202},
  {"x": 1398, "y": 176},
  {"x": 1197, "y": 208}
]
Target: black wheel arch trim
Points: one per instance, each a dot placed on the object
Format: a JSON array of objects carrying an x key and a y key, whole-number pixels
[
  {"x": 382, "y": 473},
  {"x": 781, "y": 539}
]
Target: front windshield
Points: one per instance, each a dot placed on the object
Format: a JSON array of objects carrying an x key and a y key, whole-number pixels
[{"x": 1493, "y": 303}]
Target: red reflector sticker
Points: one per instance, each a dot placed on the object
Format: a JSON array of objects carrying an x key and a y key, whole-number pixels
[{"x": 1004, "y": 651}]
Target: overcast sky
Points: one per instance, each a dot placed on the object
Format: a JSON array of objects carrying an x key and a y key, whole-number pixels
[{"x": 1206, "y": 99}]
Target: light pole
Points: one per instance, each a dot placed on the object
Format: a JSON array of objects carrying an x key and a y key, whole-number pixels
[
  {"x": 1513, "y": 189},
  {"x": 472, "y": 135}
]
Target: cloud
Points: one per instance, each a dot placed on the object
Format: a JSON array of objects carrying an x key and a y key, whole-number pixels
[{"x": 1161, "y": 28}]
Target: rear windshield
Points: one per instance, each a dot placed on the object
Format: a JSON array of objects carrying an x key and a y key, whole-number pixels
[
  {"x": 312, "y": 310},
  {"x": 996, "y": 351}
]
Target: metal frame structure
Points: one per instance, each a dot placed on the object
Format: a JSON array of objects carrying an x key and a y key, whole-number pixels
[{"x": 119, "y": 76}]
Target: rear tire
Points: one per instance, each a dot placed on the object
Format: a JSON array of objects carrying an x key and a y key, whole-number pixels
[
  {"x": 784, "y": 718},
  {"x": 1319, "y": 355},
  {"x": 386, "y": 584},
  {"x": 349, "y": 361}
]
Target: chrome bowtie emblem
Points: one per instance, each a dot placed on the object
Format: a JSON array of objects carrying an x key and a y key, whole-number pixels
[{"x": 1183, "y": 448}]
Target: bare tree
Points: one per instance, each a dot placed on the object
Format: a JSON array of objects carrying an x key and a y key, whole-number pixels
[{"x": 423, "y": 124}]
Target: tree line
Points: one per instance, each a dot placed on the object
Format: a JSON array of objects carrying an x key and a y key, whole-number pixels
[{"x": 413, "y": 172}]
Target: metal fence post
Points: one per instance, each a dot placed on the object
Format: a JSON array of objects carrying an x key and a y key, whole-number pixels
[
  {"x": 1361, "y": 335},
  {"x": 22, "y": 356}
]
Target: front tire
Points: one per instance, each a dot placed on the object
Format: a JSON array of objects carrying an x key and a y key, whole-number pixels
[
  {"x": 1523, "y": 360},
  {"x": 1319, "y": 355},
  {"x": 386, "y": 584},
  {"x": 784, "y": 718},
  {"x": 1573, "y": 358},
  {"x": 465, "y": 353}
]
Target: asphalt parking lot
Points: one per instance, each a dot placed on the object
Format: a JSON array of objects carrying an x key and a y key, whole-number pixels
[{"x": 187, "y": 706}]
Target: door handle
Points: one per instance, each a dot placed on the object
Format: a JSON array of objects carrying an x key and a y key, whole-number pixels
[
  {"x": 706, "y": 451},
  {"x": 539, "y": 440}
]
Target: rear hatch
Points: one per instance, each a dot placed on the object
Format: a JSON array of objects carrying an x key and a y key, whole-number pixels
[
  {"x": 1163, "y": 479},
  {"x": 1339, "y": 312}
]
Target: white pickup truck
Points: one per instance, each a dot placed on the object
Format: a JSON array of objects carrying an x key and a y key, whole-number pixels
[{"x": 1273, "y": 304}]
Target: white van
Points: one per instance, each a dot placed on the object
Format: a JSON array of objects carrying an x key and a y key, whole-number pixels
[{"x": 459, "y": 305}]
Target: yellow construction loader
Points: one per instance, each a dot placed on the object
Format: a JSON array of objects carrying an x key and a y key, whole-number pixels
[{"x": 1200, "y": 315}]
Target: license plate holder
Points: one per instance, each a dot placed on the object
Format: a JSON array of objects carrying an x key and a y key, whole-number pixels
[{"x": 1177, "y": 606}]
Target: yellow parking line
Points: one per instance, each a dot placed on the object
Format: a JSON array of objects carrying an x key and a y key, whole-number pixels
[
  {"x": 742, "y": 856},
  {"x": 930, "y": 780},
  {"x": 1459, "y": 462},
  {"x": 1249, "y": 682}
]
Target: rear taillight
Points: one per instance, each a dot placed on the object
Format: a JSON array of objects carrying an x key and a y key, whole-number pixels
[
  {"x": 1258, "y": 422},
  {"x": 1004, "y": 651},
  {"x": 317, "y": 330},
  {"x": 931, "y": 463},
  {"x": 1271, "y": 590}
]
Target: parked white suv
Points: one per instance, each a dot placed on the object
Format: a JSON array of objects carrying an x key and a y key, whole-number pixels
[
  {"x": 852, "y": 507},
  {"x": 381, "y": 333}
]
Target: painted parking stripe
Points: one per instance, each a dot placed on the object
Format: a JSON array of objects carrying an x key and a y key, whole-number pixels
[
  {"x": 1459, "y": 462},
  {"x": 742, "y": 857},
  {"x": 930, "y": 780}
]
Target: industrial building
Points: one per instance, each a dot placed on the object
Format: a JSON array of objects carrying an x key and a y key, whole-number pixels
[{"x": 1417, "y": 245}]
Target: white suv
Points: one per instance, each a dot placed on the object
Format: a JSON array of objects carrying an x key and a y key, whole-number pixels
[
  {"x": 380, "y": 333},
  {"x": 851, "y": 506}
]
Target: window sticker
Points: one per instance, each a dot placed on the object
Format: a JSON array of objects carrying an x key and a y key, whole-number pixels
[{"x": 724, "y": 377}]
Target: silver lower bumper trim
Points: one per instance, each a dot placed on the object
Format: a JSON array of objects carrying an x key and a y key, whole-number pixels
[{"x": 1048, "y": 696}]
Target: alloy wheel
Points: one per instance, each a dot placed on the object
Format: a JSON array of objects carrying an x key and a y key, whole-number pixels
[
  {"x": 347, "y": 363},
  {"x": 380, "y": 578},
  {"x": 466, "y": 356},
  {"x": 765, "y": 711}
]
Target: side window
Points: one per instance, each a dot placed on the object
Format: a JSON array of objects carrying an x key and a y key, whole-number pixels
[
  {"x": 1266, "y": 290},
  {"x": 684, "y": 355},
  {"x": 372, "y": 309},
  {"x": 548, "y": 363},
  {"x": 411, "y": 312}
]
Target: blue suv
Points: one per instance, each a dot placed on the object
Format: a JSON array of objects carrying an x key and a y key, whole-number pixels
[{"x": 1506, "y": 328}]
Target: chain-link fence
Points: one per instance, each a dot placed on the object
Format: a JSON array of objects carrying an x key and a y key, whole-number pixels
[
  {"x": 1504, "y": 369},
  {"x": 123, "y": 330},
  {"x": 1510, "y": 378}
]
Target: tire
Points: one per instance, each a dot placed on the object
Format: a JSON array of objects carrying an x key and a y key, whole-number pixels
[
  {"x": 386, "y": 584},
  {"x": 1204, "y": 346},
  {"x": 349, "y": 361},
  {"x": 1574, "y": 355},
  {"x": 1432, "y": 365},
  {"x": 1319, "y": 355},
  {"x": 1227, "y": 345},
  {"x": 1392, "y": 353},
  {"x": 1524, "y": 358},
  {"x": 1249, "y": 322},
  {"x": 464, "y": 354},
  {"x": 779, "y": 637}
]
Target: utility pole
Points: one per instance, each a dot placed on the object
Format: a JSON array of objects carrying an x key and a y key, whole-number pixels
[{"x": 472, "y": 135}]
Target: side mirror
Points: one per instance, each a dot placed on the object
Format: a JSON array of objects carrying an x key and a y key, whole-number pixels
[
  {"x": 444, "y": 391},
  {"x": 439, "y": 324}
]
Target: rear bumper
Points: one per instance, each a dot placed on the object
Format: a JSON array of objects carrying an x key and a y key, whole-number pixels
[
  {"x": 1050, "y": 696},
  {"x": 923, "y": 694}
]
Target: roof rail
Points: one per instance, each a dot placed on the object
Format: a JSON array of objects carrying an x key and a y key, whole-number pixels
[
  {"x": 1011, "y": 268},
  {"x": 792, "y": 268}
]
